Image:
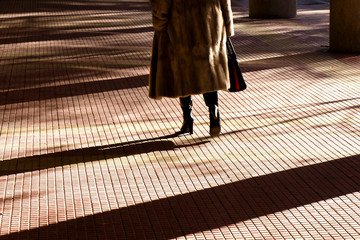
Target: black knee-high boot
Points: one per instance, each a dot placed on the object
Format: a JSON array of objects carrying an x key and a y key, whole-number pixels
[
  {"x": 211, "y": 100},
  {"x": 188, "y": 123}
]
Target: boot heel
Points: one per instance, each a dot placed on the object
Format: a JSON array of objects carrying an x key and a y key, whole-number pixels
[
  {"x": 188, "y": 126},
  {"x": 215, "y": 127},
  {"x": 215, "y": 131},
  {"x": 188, "y": 122},
  {"x": 191, "y": 127}
]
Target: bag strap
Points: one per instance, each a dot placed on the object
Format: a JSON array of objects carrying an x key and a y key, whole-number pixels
[{"x": 230, "y": 47}]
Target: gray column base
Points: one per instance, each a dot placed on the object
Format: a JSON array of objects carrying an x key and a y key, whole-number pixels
[
  {"x": 345, "y": 25},
  {"x": 272, "y": 8}
]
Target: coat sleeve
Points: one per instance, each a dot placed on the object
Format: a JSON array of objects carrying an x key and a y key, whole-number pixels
[
  {"x": 228, "y": 17},
  {"x": 160, "y": 13}
]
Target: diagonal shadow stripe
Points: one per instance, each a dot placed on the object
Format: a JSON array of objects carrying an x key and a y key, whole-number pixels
[
  {"x": 26, "y": 6},
  {"x": 75, "y": 89},
  {"x": 214, "y": 207},
  {"x": 52, "y": 34}
]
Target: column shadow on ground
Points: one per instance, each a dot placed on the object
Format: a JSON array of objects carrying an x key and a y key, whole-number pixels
[
  {"x": 70, "y": 90},
  {"x": 28, "y": 6},
  {"x": 215, "y": 207}
]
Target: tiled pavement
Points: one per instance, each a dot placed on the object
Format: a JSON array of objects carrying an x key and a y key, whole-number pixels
[{"x": 86, "y": 155}]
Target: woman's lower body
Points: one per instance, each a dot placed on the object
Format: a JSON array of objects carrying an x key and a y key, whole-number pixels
[{"x": 211, "y": 101}]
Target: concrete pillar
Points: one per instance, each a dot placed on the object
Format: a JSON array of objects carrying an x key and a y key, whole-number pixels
[
  {"x": 345, "y": 25},
  {"x": 272, "y": 8}
]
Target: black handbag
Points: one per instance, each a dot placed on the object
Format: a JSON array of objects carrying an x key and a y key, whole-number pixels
[{"x": 237, "y": 82}]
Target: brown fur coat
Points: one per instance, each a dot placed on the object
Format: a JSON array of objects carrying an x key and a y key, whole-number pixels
[{"x": 189, "y": 47}]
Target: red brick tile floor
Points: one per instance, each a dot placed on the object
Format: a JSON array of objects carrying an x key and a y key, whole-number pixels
[{"x": 85, "y": 154}]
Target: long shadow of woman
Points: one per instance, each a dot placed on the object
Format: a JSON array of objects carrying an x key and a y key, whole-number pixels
[{"x": 97, "y": 153}]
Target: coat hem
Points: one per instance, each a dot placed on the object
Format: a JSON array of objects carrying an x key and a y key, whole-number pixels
[{"x": 194, "y": 93}]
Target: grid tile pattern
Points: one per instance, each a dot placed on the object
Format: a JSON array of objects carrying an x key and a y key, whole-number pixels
[{"x": 85, "y": 154}]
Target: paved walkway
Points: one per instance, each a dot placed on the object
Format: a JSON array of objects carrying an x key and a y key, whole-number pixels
[{"x": 86, "y": 155}]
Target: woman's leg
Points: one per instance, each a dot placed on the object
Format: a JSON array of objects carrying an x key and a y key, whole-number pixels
[
  {"x": 185, "y": 101},
  {"x": 211, "y": 100},
  {"x": 186, "y": 106}
]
